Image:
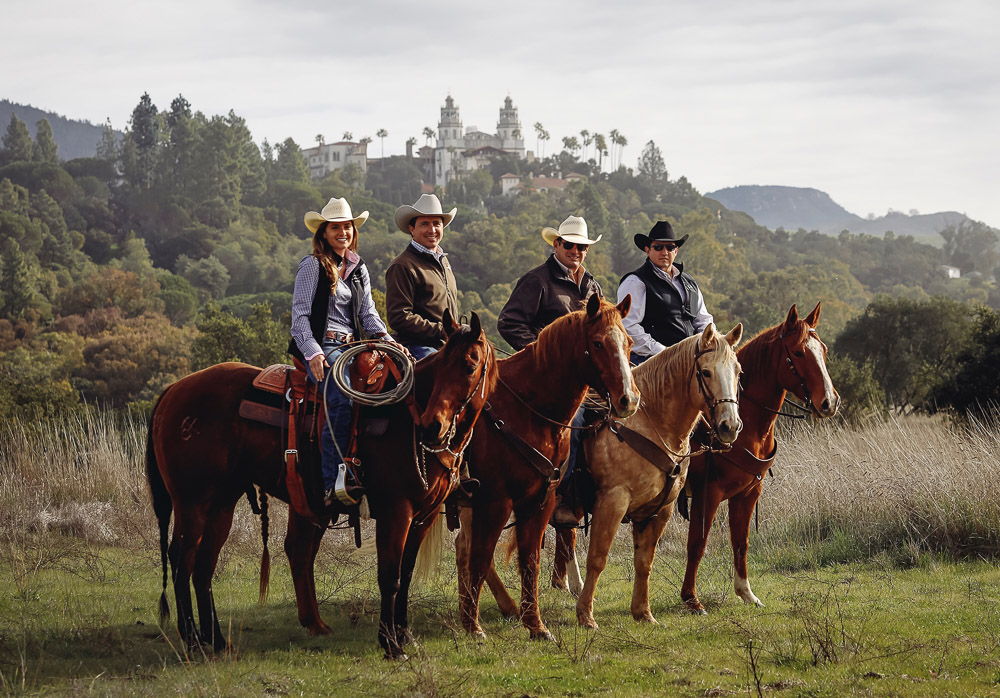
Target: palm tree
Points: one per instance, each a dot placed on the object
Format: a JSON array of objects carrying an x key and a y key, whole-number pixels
[
  {"x": 601, "y": 146},
  {"x": 320, "y": 140},
  {"x": 410, "y": 142},
  {"x": 585, "y": 137},
  {"x": 381, "y": 134},
  {"x": 539, "y": 130},
  {"x": 348, "y": 136},
  {"x": 428, "y": 135},
  {"x": 622, "y": 142},
  {"x": 614, "y": 141}
]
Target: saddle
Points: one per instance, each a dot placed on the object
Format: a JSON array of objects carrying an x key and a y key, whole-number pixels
[{"x": 284, "y": 397}]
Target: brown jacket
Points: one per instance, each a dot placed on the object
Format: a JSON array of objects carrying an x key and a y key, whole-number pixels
[
  {"x": 417, "y": 291},
  {"x": 541, "y": 297}
]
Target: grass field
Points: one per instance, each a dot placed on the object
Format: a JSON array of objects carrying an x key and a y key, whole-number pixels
[{"x": 875, "y": 557}]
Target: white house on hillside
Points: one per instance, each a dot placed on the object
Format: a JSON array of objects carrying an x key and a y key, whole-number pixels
[{"x": 323, "y": 159}]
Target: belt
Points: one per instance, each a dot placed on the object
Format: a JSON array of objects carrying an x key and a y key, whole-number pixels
[{"x": 340, "y": 336}]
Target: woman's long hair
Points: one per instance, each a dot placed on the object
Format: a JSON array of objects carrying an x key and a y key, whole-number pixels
[{"x": 328, "y": 259}]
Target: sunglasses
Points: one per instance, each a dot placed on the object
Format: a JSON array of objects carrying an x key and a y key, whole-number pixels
[
  {"x": 659, "y": 247},
  {"x": 570, "y": 246}
]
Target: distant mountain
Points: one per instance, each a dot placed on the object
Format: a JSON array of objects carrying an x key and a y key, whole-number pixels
[
  {"x": 76, "y": 139},
  {"x": 792, "y": 208}
]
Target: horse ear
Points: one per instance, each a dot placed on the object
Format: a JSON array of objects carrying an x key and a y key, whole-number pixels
[
  {"x": 708, "y": 336},
  {"x": 450, "y": 325},
  {"x": 735, "y": 335},
  {"x": 625, "y": 305},
  {"x": 813, "y": 318},
  {"x": 593, "y": 305},
  {"x": 476, "y": 325},
  {"x": 793, "y": 317}
]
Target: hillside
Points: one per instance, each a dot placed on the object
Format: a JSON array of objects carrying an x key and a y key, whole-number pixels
[
  {"x": 792, "y": 208},
  {"x": 76, "y": 139}
]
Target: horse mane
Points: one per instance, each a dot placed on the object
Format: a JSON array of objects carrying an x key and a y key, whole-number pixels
[
  {"x": 757, "y": 356},
  {"x": 558, "y": 343}
]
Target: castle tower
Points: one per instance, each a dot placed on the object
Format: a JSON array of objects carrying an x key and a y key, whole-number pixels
[
  {"x": 450, "y": 125},
  {"x": 509, "y": 127}
]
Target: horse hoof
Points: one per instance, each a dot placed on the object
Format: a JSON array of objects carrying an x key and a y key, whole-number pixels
[
  {"x": 542, "y": 635},
  {"x": 697, "y": 611},
  {"x": 320, "y": 628},
  {"x": 588, "y": 623},
  {"x": 398, "y": 655},
  {"x": 646, "y": 618},
  {"x": 403, "y": 636}
]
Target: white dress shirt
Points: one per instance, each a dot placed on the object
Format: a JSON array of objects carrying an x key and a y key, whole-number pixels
[{"x": 644, "y": 344}]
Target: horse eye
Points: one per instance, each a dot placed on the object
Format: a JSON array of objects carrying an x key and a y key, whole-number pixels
[
  {"x": 598, "y": 345},
  {"x": 706, "y": 373},
  {"x": 798, "y": 354}
]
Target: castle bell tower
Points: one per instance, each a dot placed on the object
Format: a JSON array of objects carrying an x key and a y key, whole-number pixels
[
  {"x": 509, "y": 127},
  {"x": 450, "y": 125}
]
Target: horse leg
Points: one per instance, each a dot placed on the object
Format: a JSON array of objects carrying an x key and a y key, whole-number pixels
[
  {"x": 530, "y": 531},
  {"x": 645, "y": 536},
  {"x": 740, "y": 512},
  {"x": 391, "y": 529},
  {"x": 189, "y": 523},
  {"x": 609, "y": 509},
  {"x": 566, "y": 569},
  {"x": 485, "y": 526},
  {"x": 216, "y": 531},
  {"x": 414, "y": 539},
  {"x": 508, "y": 607},
  {"x": 703, "y": 506},
  {"x": 301, "y": 546}
]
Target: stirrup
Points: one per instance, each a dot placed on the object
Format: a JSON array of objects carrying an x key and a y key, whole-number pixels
[{"x": 340, "y": 487}]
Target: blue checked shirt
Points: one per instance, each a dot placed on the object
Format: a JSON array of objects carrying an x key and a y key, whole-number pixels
[{"x": 340, "y": 314}]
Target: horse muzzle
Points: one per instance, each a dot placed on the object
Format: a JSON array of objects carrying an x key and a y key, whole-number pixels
[{"x": 628, "y": 403}]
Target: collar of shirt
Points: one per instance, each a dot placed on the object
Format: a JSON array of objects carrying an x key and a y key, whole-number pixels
[
  {"x": 436, "y": 255},
  {"x": 567, "y": 271},
  {"x": 666, "y": 275}
]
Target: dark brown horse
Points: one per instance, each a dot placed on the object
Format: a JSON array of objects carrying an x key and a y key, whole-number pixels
[
  {"x": 202, "y": 457},
  {"x": 789, "y": 357},
  {"x": 541, "y": 388}
]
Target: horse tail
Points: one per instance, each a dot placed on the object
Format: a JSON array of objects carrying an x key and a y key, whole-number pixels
[
  {"x": 510, "y": 549},
  {"x": 431, "y": 550},
  {"x": 265, "y": 556},
  {"x": 162, "y": 506}
]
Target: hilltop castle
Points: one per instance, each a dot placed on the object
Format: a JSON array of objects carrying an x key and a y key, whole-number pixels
[{"x": 457, "y": 151}]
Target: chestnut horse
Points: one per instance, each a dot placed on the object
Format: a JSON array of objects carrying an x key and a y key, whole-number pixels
[
  {"x": 525, "y": 433},
  {"x": 638, "y": 478},
  {"x": 202, "y": 457},
  {"x": 789, "y": 357}
]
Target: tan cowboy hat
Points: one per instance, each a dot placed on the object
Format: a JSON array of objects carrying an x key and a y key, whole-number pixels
[
  {"x": 427, "y": 205},
  {"x": 337, "y": 210},
  {"x": 573, "y": 229}
]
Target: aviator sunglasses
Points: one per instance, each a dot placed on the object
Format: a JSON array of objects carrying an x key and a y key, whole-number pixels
[
  {"x": 659, "y": 247},
  {"x": 570, "y": 246}
]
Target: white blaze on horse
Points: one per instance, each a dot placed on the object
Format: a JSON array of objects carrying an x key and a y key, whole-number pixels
[{"x": 698, "y": 376}]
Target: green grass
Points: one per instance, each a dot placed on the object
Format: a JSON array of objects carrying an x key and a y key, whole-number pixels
[{"x": 77, "y": 618}]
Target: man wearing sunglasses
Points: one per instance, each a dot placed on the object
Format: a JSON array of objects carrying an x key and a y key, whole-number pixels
[
  {"x": 553, "y": 289},
  {"x": 667, "y": 305}
]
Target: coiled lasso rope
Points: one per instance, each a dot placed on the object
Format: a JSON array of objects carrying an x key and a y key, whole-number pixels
[{"x": 338, "y": 374}]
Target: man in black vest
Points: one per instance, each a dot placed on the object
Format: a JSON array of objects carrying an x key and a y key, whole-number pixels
[{"x": 667, "y": 305}]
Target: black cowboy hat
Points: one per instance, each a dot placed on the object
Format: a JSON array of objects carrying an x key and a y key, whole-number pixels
[{"x": 661, "y": 231}]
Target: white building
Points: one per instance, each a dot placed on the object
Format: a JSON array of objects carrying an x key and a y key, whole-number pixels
[
  {"x": 457, "y": 150},
  {"x": 323, "y": 159}
]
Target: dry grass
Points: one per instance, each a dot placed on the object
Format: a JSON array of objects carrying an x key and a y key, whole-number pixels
[{"x": 908, "y": 486}]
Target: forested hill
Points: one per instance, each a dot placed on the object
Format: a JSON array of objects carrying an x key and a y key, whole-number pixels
[
  {"x": 792, "y": 208},
  {"x": 76, "y": 139}
]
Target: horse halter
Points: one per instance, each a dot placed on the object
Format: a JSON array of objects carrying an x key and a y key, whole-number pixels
[
  {"x": 807, "y": 399},
  {"x": 711, "y": 402}
]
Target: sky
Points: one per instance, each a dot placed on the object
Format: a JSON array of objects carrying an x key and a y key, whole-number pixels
[{"x": 882, "y": 104}]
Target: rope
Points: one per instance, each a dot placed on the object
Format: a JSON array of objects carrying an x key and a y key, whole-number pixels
[{"x": 390, "y": 397}]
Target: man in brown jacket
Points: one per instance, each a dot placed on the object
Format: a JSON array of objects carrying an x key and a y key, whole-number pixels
[
  {"x": 419, "y": 284},
  {"x": 554, "y": 288}
]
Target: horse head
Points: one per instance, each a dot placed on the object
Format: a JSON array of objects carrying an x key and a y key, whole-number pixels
[
  {"x": 717, "y": 374},
  {"x": 608, "y": 346},
  {"x": 802, "y": 370},
  {"x": 465, "y": 375}
]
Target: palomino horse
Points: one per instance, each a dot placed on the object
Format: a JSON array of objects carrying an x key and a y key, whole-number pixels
[
  {"x": 788, "y": 357},
  {"x": 639, "y": 477},
  {"x": 525, "y": 432},
  {"x": 201, "y": 457}
]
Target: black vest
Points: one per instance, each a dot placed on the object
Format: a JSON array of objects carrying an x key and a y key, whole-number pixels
[
  {"x": 667, "y": 319},
  {"x": 321, "y": 306}
]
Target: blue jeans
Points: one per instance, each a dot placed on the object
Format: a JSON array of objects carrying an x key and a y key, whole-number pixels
[
  {"x": 419, "y": 351},
  {"x": 575, "y": 436},
  {"x": 338, "y": 409},
  {"x": 636, "y": 359}
]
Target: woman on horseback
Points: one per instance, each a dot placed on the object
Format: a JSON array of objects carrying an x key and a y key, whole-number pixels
[{"x": 331, "y": 306}]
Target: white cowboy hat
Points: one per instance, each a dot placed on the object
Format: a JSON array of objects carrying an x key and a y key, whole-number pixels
[
  {"x": 573, "y": 229},
  {"x": 337, "y": 210},
  {"x": 427, "y": 205}
]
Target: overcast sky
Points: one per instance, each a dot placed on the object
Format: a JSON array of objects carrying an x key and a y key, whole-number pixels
[{"x": 880, "y": 103}]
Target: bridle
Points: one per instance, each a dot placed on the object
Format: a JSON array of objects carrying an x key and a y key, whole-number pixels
[
  {"x": 809, "y": 407},
  {"x": 421, "y": 448},
  {"x": 711, "y": 402}
]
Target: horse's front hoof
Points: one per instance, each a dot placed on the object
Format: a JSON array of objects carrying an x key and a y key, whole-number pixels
[
  {"x": 403, "y": 636},
  {"x": 645, "y": 618},
  {"x": 560, "y": 584},
  {"x": 397, "y": 655},
  {"x": 542, "y": 634},
  {"x": 319, "y": 628},
  {"x": 588, "y": 623}
]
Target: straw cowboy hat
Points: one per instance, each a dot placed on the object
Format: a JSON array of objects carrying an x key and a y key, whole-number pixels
[
  {"x": 573, "y": 229},
  {"x": 427, "y": 205},
  {"x": 660, "y": 232},
  {"x": 336, "y": 211}
]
